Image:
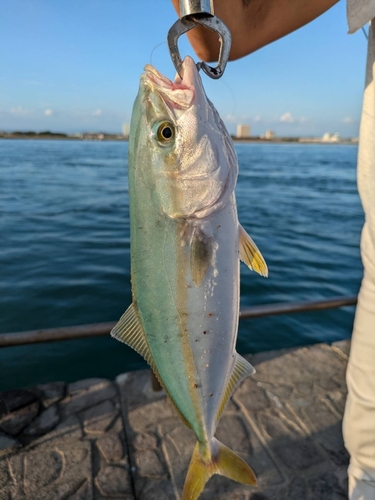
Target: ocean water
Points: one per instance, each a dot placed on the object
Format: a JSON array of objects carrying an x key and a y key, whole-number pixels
[{"x": 64, "y": 253}]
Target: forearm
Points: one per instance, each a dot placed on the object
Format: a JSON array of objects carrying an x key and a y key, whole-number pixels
[{"x": 254, "y": 24}]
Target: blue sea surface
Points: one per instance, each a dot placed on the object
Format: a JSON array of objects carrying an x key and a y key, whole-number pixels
[{"x": 64, "y": 253}]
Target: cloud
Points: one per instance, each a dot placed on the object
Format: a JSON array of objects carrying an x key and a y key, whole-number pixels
[
  {"x": 287, "y": 117},
  {"x": 19, "y": 111},
  {"x": 237, "y": 118},
  {"x": 97, "y": 112},
  {"x": 257, "y": 118},
  {"x": 231, "y": 118},
  {"x": 48, "y": 112},
  {"x": 347, "y": 120}
]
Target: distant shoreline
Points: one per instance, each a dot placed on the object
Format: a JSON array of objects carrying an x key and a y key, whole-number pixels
[
  {"x": 100, "y": 137},
  {"x": 63, "y": 137}
]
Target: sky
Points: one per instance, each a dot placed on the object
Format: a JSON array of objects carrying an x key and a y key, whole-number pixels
[{"x": 74, "y": 66}]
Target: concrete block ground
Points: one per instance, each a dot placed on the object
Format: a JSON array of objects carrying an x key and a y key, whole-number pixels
[
  {"x": 285, "y": 421},
  {"x": 72, "y": 450},
  {"x": 96, "y": 439}
]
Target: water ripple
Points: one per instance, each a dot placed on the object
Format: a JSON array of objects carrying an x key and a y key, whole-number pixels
[{"x": 65, "y": 248}]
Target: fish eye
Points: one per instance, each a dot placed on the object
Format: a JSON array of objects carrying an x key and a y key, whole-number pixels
[{"x": 165, "y": 132}]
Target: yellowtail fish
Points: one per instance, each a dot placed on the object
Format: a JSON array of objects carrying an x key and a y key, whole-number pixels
[{"x": 186, "y": 243}]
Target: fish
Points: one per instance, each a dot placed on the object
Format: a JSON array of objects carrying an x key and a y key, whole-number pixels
[{"x": 186, "y": 245}]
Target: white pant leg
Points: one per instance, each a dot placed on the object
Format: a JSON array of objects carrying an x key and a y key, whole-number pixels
[{"x": 359, "y": 418}]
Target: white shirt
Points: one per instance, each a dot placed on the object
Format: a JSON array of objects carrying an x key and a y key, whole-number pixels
[{"x": 359, "y": 12}]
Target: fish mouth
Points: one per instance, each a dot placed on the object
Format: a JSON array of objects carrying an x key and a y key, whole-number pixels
[{"x": 181, "y": 92}]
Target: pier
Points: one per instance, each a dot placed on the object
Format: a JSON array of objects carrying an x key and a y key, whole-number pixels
[{"x": 98, "y": 439}]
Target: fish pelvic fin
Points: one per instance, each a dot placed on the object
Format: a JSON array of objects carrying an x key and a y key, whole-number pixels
[
  {"x": 130, "y": 331},
  {"x": 221, "y": 461},
  {"x": 250, "y": 254}
]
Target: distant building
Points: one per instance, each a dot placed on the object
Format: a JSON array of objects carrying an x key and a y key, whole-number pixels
[
  {"x": 327, "y": 137},
  {"x": 125, "y": 129},
  {"x": 270, "y": 134},
  {"x": 310, "y": 139},
  {"x": 243, "y": 131}
]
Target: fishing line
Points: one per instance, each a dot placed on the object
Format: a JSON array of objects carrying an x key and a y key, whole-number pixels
[
  {"x": 233, "y": 96},
  {"x": 153, "y": 50},
  {"x": 364, "y": 32}
]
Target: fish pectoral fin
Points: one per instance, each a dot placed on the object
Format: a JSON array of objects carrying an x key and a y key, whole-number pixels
[
  {"x": 241, "y": 370},
  {"x": 129, "y": 330},
  {"x": 201, "y": 251},
  {"x": 222, "y": 461},
  {"x": 250, "y": 254}
]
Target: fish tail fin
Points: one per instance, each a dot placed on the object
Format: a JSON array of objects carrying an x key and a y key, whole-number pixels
[{"x": 222, "y": 461}]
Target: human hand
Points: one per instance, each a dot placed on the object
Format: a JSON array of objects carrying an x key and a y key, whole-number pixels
[{"x": 254, "y": 24}]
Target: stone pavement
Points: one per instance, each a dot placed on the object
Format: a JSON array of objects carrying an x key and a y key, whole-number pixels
[{"x": 96, "y": 439}]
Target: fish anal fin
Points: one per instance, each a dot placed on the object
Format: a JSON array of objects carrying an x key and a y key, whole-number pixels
[
  {"x": 250, "y": 254},
  {"x": 241, "y": 370},
  {"x": 221, "y": 461},
  {"x": 130, "y": 331},
  {"x": 201, "y": 251}
]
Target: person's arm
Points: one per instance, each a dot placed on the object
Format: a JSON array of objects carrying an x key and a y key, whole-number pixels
[{"x": 254, "y": 23}]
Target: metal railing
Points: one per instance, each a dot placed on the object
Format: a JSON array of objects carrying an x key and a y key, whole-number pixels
[{"x": 101, "y": 329}]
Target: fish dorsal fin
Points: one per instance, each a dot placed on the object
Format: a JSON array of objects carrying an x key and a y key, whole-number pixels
[
  {"x": 241, "y": 370},
  {"x": 250, "y": 254},
  {"x": 129, "y": 330},
  {"x": 201, "y": 250}
]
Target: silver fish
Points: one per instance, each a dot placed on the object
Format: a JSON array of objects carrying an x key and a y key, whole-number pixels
[{"x": 186, "y": 243}]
